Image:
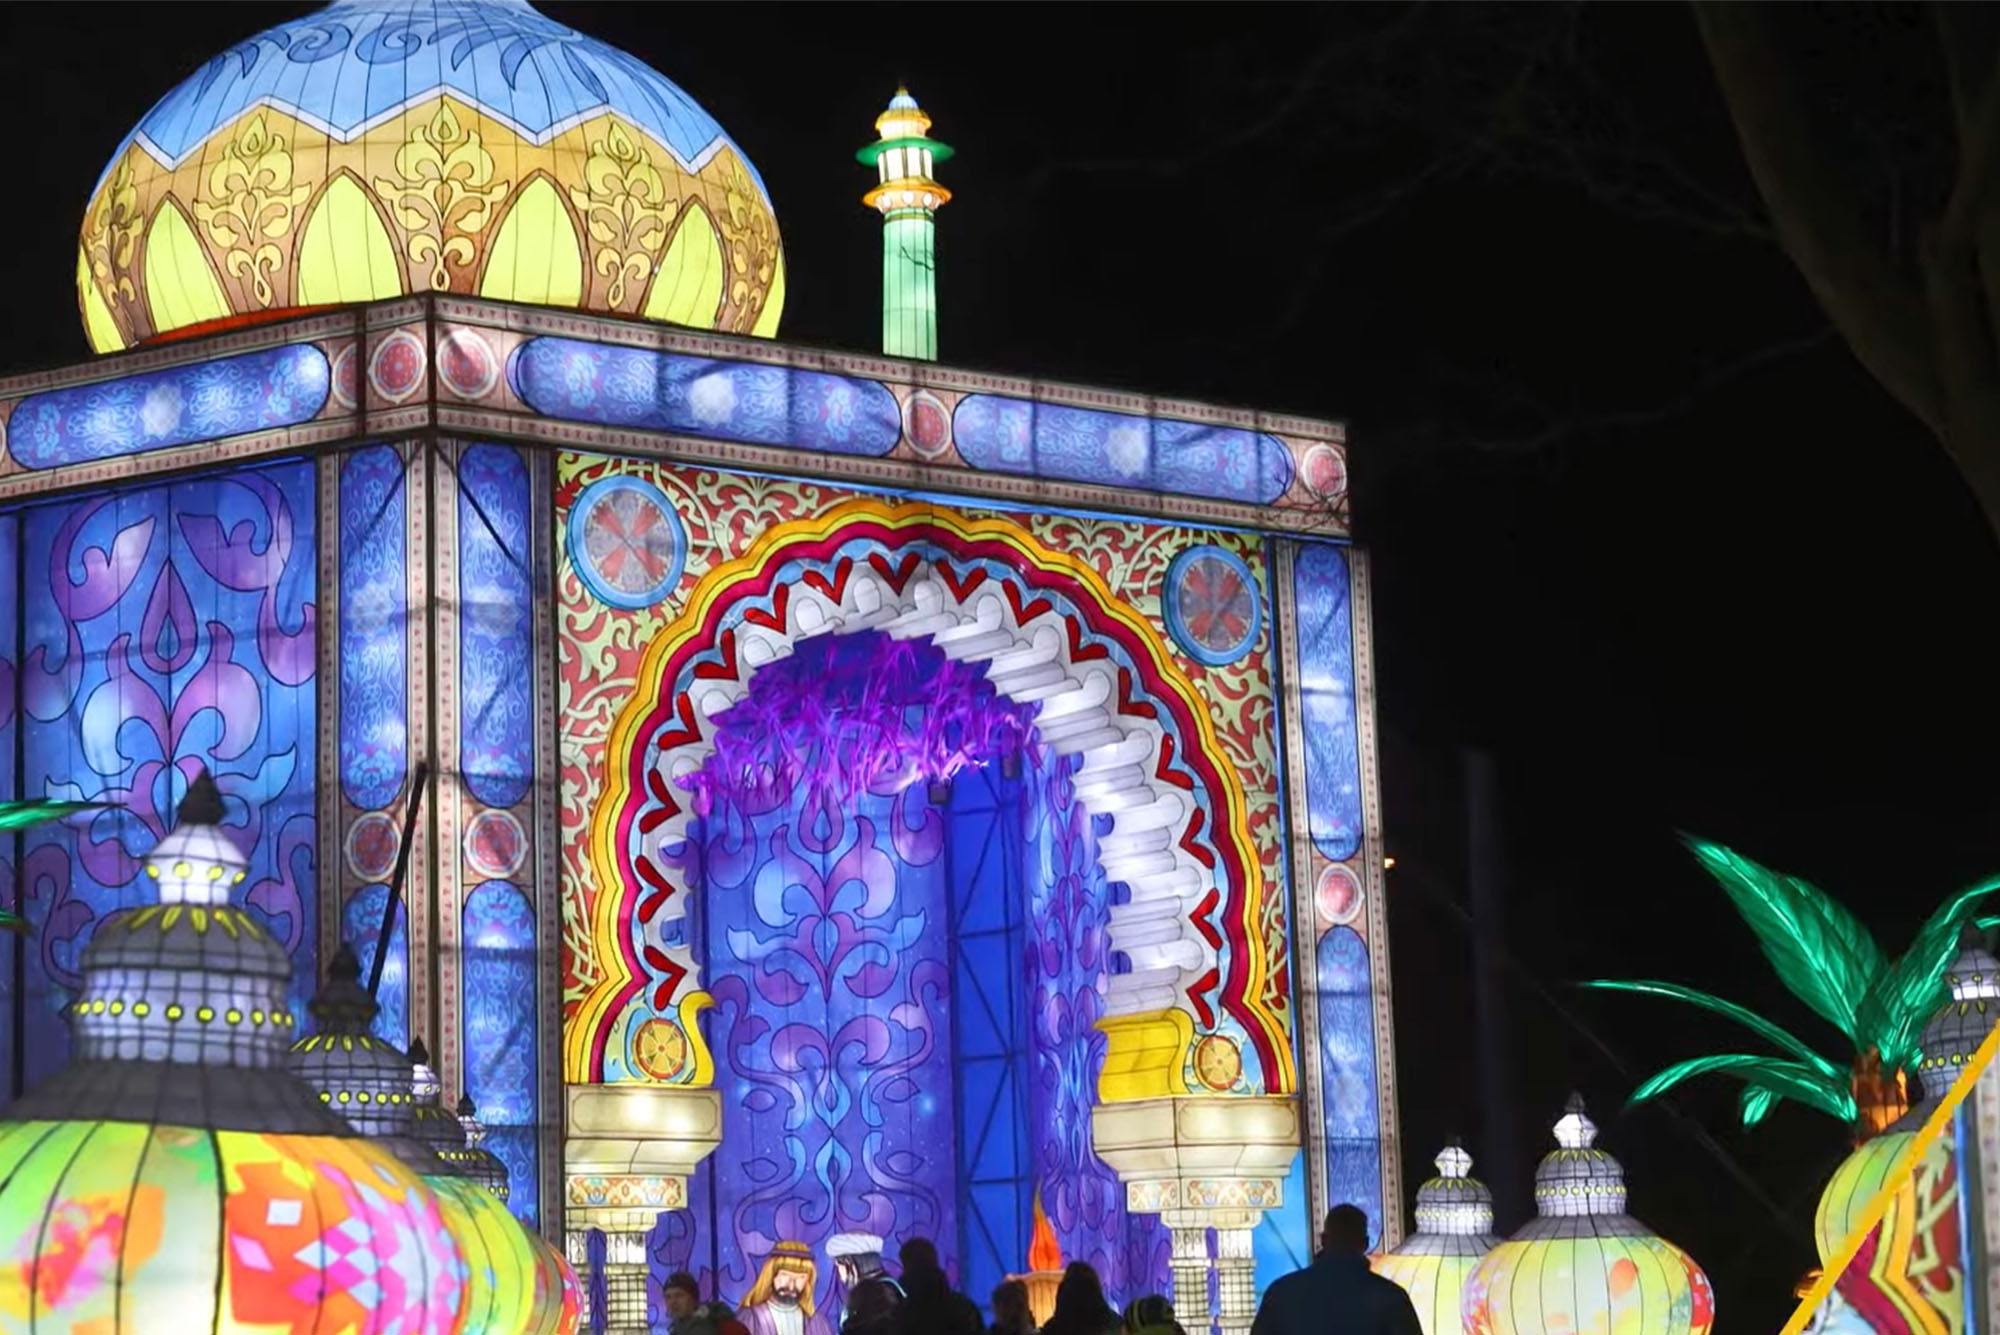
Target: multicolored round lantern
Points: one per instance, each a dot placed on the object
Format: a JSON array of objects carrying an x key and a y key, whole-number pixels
[
  {"x": 499, "y": 1248},
  {"x": 1584, "y": 1264},
  {"x": 1454, "y": 1230},
  {"x": 175, "y": 1166},
  {"x": 558, "y": 1304}
]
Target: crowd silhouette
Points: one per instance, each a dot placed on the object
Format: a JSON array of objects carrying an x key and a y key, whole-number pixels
[{"x": 1338, "y": 1294}]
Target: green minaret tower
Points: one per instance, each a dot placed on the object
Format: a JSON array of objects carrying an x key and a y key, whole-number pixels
[{"x": 908, "y": 200}]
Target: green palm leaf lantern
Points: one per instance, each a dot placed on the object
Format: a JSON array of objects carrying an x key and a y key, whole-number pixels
[{"x": 1830, "y": 961}]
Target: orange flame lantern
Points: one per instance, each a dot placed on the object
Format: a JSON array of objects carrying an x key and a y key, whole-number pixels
[{"x": 1045, "y": 1267}]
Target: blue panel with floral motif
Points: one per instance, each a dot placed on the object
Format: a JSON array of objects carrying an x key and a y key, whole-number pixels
[
  {"x": 496, "y": 634},
  {"x": 703, "y": 396},
  {"x": 1007, "y": 435},
  {"x": 157, "y": 410},
  {"x": 1322, "y": 605},
  {"x": 1350, "y": 1125},
  {"x": 361, "y": 924},
  {"x": 498, "y": 959},
  {"x": 374, "y": 617}
]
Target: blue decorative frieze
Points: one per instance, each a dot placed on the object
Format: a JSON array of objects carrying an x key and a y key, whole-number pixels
[
  {"x": 1007, "y": 435},
  {"x": 158, "y": 410},
  {"x": 702, "y": 396}
]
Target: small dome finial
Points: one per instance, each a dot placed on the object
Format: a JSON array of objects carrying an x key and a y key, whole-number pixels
[
  {"x": 203, "y": 803},
  {"x": 1575, "y": 1130},
  {"x": 1452, "y": 1160}
]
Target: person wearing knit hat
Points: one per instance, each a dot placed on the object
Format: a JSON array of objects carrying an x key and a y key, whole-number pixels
[{"x": 1151, "y": 1315}]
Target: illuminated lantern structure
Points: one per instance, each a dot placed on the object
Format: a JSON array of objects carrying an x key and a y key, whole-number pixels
[
  {"x": 1045, "y": 1267},
  {"x": 1454, "y": 1230},
  {"x": 1584, "y": 1264},
  {"x": 908, "y": 198},
  {"x": 481, "y": 1165},
  {"x": 175, "y": 1166},
  {"x": 1918, "y": 1271},
  {"x": 472, "y": 147},
  {"x": 960, "y": 784}
]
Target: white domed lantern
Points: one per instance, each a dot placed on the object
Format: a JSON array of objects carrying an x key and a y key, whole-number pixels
[
  {"x": 197, "y": 863},
  {"x": 1454, "y": 1230},
  {"x": 1584, "y": 1264}
]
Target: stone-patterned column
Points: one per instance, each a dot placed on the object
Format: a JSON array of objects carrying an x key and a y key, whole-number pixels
[
  {"x": 1235, "y": 1268},
  {"x": 576, "y": 1249},
  {"x": 1188, "y": 1231},
  {"x": 625, "y": 1277},
  {"x": 627, "y": 1157},
  {"x": 1202, "y": 1162}
]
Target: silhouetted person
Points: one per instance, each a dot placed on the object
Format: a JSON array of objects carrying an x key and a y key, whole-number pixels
[
  {"x": 1011, "y": 1313},
  {"x": 1151, "y": 1315},
  {"x": 687, "y": 1314},
  {"x": 930, "y": 1306},
  {"x": 1080, "y": 1305},
  {"x": 1338, "y": 1294},
  {"x": 872, "y": 1309}
]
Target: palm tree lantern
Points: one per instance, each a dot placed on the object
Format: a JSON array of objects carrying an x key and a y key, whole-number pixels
[{"x": 1826, "y": 958}]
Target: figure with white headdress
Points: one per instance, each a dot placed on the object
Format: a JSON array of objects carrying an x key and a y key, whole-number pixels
[{"x": 873, "y": 1298}]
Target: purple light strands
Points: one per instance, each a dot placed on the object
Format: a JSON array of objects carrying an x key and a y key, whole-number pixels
[{"x": 847, "y": 714}]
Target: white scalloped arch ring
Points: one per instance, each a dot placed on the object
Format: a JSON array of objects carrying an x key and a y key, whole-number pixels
[{"x": 1031, "y": 658}]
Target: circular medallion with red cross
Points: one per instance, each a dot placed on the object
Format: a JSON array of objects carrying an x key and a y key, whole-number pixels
[
  {"x": 1212, "y": 604},
  {"x": 626, "y": 542}
]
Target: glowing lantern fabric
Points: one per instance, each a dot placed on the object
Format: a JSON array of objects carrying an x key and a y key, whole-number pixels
[
  {"x": 1584, "y": 1265},
  {"x": 1454, "y": 1230},
  {"x": 558, "y": 1305},
  {"x": 1852, "y": 1186},
  {"x": 500, "y": 1291},
  {"x": 382, "y": 147},
  {"x": 104, "y": 1226}
]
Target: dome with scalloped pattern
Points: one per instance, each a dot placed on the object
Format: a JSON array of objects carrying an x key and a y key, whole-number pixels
[{"x": 382, "y": 147}]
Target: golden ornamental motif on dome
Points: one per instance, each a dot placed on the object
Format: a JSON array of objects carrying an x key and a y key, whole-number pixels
[{"x": 568, "y": 176}]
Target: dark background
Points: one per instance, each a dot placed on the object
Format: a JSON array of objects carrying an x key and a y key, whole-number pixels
[{"x": 1759, "y": 609}]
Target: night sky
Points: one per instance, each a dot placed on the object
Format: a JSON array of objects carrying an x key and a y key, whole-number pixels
[{"x": 1753, "y": 606}]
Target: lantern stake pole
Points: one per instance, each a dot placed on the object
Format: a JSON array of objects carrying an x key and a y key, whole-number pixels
[{"x": 395, "y": 895}]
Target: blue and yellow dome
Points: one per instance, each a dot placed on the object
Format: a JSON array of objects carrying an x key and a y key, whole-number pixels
[{"x": 384, "y": 147}]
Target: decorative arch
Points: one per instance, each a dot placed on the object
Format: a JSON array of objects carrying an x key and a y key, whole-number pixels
[{"x": 1049, "y": 630}]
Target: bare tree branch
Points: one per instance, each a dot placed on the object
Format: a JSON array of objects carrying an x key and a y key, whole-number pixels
[
  {"x": 1818, "y": 218},
  {"x": 1562, "y": 427}
]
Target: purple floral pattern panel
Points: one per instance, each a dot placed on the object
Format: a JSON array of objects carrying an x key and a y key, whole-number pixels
[
  {"x": 1069, "y": 952},
  {"x": 1326, "y": 700},
  {"x": 826, "y": 940},
  {"x": 498, "y": 959},
  {"x": 167, "y": 628},
  {"x": 10, "y": 623}
]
